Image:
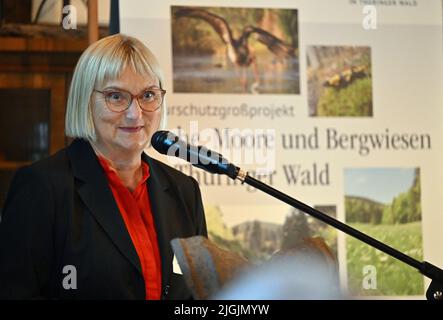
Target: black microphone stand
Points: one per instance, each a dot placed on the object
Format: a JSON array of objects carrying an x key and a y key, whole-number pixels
[{"x": 435, "y": 290}]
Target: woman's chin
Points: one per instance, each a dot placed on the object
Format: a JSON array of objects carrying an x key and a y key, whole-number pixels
[{"x": 133, "y": 145}]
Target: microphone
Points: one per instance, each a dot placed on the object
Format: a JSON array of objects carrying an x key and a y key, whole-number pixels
[{"x": 165, "y": 142}]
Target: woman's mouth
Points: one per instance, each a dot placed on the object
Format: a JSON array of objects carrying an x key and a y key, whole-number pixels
[{"x": 131, "y": 129}]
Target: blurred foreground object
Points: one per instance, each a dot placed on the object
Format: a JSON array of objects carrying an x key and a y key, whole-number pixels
[
  {"x": 288, "y": 277},
  {"x": 308, "y": 271},
  {"x": 206, "y": 267}
]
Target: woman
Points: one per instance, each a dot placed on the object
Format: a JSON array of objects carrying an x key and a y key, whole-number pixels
[{"x": 95, "y": 220}]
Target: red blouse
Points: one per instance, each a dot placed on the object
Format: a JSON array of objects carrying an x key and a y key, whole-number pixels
[{"x": 135, "y": 208}]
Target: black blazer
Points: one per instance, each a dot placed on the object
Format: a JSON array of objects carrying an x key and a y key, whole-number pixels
[{"x": 61, "y": 212}]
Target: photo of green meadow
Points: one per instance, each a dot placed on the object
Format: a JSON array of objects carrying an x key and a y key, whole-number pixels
[
  {"x": 339, "y": 81},
  {"x": 385, "y": 204}
]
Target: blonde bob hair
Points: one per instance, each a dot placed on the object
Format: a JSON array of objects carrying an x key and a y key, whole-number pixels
[{"x": 102, "y": 61}]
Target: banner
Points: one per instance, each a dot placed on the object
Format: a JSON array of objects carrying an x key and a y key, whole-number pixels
[{"x": 336, "y": 103}]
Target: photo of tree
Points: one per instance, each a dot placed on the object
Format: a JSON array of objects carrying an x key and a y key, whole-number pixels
[
  {"x": 299, "y": 226},
  {"x": 339, "y": 81},
  {"x": 321, "y": 229},
  {"x": 391, "y": 213},
  {"x": 259, "y": 240},
  {"x": 235, "y": 50}
]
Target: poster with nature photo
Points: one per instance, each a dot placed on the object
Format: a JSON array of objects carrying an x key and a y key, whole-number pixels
[
  {"x": 235, "y": 50},
  {"x": 391, "y": 213},
  {"x": 339, "y": 81},
  {"x": 280, "y": 229}
]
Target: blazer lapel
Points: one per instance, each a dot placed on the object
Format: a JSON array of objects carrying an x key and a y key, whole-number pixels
[
  {"x": 163, "y": 204},
  {"x": 97, "y": 196}
]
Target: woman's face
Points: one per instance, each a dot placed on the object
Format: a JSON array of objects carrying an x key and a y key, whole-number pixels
[{"x": 130, "y": 130}]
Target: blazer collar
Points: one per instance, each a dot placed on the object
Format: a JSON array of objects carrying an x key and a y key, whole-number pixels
[
  {"x": 97, "y": 196},
  {"x": 163, "y": 200}
]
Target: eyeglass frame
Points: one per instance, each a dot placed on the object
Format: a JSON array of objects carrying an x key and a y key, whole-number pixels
[{"x": 136, "y": 96}]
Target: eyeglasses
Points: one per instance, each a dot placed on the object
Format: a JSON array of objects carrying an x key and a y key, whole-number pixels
[{"x": 120, "y": 100}]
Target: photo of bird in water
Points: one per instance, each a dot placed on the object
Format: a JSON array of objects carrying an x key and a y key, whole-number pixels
[{"x": 240, "y": 43}]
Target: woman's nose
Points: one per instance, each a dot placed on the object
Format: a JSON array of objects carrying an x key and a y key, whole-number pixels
[{"x": 134, "y": 111}]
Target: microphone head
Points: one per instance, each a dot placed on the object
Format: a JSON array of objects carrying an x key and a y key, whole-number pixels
[
  {"x": 162, "y": 140},
  {"x": 165, "y": 142}
]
